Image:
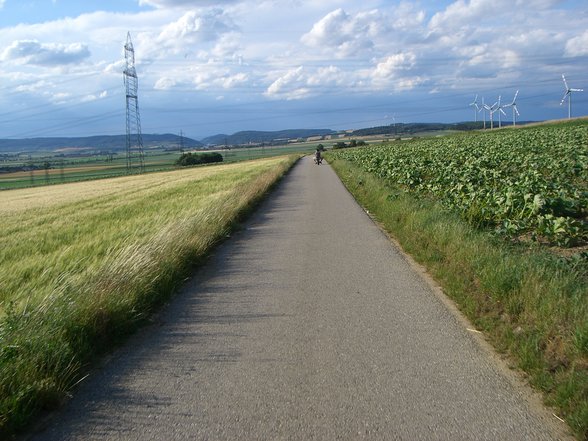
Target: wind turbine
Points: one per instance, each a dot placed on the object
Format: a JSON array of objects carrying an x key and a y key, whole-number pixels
[
  {"x": 515, "y": 111},
  {"x": 491, "y": 109},
  {"x": 499, "y": 110},
  {"x": 568, "y": 94},
  {"x": 476, "y": 108}
]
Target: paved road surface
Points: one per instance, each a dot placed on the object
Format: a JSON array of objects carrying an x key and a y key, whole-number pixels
[{"x": 308, "y": 324}]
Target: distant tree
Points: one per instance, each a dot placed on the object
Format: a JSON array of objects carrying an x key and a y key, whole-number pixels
[
  {"x": 320, "y": 147},
  {"x": 339, "y": 145},
  {"x": 188, "y": 159}
]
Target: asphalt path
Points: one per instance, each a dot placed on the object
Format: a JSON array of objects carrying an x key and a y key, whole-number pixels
[{"x": 307, "y": 324}]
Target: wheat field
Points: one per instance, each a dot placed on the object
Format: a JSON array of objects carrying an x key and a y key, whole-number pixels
[{"x": 82, "y": 265}]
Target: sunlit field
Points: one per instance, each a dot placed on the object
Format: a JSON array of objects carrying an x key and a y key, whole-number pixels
[
  {"x": 84, "y": 263},
  {"x": 74, "y": 169}
]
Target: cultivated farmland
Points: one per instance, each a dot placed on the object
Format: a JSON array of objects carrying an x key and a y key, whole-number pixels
[
  {"x": 83, "y": 264},
  {"x": 528, "y": 182},
  {"x": 48, "y": 169}
]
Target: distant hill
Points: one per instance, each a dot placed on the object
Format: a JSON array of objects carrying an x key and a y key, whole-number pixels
[
  {"x": 116, "y": 143},
  {"x": 92, "y": 143},
  {"x": 253, "y": 136},
  {"x": 412, "y": 128}
]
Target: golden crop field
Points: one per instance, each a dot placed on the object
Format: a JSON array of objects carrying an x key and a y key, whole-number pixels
[
  {"x": 83, "y": 264},
  {"x": 72, "y": 230}
]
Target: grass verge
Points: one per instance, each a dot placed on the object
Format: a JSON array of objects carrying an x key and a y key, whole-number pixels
[
  {"x": 530, "y": 305},
  {"x": 85, "y": 268}
]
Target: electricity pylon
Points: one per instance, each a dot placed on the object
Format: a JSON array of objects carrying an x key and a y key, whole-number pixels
[{"x": 134, "y": 138}]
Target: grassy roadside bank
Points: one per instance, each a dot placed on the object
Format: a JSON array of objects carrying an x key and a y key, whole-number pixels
[
  {"x": 87, "y": 265},
  {"x": 528, "y": 304}
]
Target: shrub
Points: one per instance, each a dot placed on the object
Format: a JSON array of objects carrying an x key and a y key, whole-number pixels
[{"x": 187, "y": 159}]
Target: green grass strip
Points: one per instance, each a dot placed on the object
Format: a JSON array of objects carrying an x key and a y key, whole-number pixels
[{"x": 529, "y": 304}]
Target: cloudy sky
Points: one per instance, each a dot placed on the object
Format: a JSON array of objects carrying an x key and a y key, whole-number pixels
[{"x": 208, "y": 67}]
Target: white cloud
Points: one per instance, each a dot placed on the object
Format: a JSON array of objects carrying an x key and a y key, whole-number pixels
[
  {"x": 115, "y": 67},
  {"x": 195, "y": 27},
  {"x": 32, "y": 87},
  {"x": 302, "y": 82},
  {"x": 577, "y": 46},
  {"x": 60, "y": 97},
  {"x": 346, "y": 34},
  {"x": 407, "y": 18},
  {"x": 234, "y": 80},
  {"x": 489, "y": 57},
  {"x": 195, "y": 34},
  {"x": 395, "y": 63},
  {"x": 205, "y": 78},
  {"x": 395, "y": 71},
  {"x": 164, "y": 83},
  {"x": 463, "y": 12},
  {"x": 94, "y": 97},
  {"x": 45, "y": 54},
  {"x": 290, "y": 86},
  {"x": 327, "y": 77},
  {"x": 184, "y": 3},
  {"x": 228, "y": 47}
]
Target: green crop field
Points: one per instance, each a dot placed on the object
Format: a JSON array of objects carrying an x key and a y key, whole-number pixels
[
  {"x": 528, "y": 182},
  {"x": 84, "y": 263}
]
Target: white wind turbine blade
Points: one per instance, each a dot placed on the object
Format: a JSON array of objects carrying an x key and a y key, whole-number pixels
[
  {"x": 499, "y": 110},
  {"x": 514, "y": 100},
  {"x": 576, "y": 90},
  {"x": 565, "y": 82},
  {"x": 474, "y": 104},
  {"x": 515, "y": 113},
  {"x": 564, "y": 97}
]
